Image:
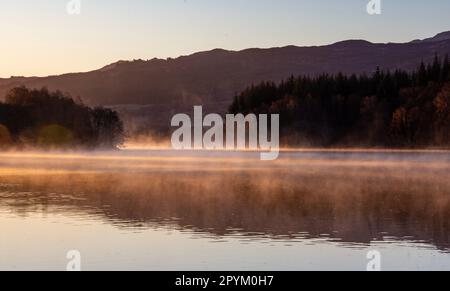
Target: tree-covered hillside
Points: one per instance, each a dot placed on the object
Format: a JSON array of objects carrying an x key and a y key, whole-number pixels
[
  {"x": 39, "y": 118},
  {"x": 398, "y": 109}
]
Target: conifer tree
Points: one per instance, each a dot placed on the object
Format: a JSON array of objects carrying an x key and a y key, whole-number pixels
[{"x": 445, "y": 74}]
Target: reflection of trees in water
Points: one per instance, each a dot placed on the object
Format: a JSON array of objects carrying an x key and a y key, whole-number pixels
[{"x": 344, "y": 207}]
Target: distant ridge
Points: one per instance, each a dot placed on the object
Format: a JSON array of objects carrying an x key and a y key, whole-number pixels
[
  {"x": 443, "y": 36},
  {"x": 212, "y": 78}
]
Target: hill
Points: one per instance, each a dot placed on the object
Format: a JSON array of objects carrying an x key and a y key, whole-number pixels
[{"x": 148, "y": 92}]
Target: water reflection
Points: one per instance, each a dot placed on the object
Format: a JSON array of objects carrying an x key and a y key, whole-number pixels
[{"x": 346, "y": 197}]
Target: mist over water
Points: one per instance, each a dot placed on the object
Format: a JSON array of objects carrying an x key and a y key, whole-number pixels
[{"x": 161, "y": 209}]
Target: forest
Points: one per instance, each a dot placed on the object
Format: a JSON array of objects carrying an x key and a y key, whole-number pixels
[
  {"x": 43, "y": 119},
  {"x": 396, "y": 109}
]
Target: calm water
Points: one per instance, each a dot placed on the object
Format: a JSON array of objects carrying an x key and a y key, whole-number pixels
[{"x": 163, "y": 210}]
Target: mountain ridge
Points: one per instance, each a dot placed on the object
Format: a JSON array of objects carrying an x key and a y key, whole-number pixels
[
  {"x": 443, "y": 36},
  {"x": 212, "y": 78}
]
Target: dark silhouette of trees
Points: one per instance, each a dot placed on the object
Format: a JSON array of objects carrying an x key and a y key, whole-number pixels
[
  {"x": 442, "y": 121},
  {"x": 52, "y": 120},
  {"x": 398, "y": 109},
  {"x": 108, "y": 129}
]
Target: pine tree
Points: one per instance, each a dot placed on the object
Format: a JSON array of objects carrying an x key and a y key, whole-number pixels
[
  {"x": 445, "y": 73},
  {"x": 422, "y": 74},
  {"x": 436, "y": 69}
]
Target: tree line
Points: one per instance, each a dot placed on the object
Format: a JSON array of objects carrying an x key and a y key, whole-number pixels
[
  {"x": 43, "y": 119},
  {"x": 383, "y": 109}
]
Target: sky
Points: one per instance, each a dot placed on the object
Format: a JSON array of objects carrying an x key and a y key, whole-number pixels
[{"x": 40, "y": 37}]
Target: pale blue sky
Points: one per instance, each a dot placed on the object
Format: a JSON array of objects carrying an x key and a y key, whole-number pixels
[{"x": 38, "y": 37}]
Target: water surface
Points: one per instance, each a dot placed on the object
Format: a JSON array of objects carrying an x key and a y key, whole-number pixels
[{"x": 165, "y": 210}]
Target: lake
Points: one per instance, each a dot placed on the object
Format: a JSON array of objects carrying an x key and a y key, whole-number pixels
[{"x": 167, "y": 210}]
